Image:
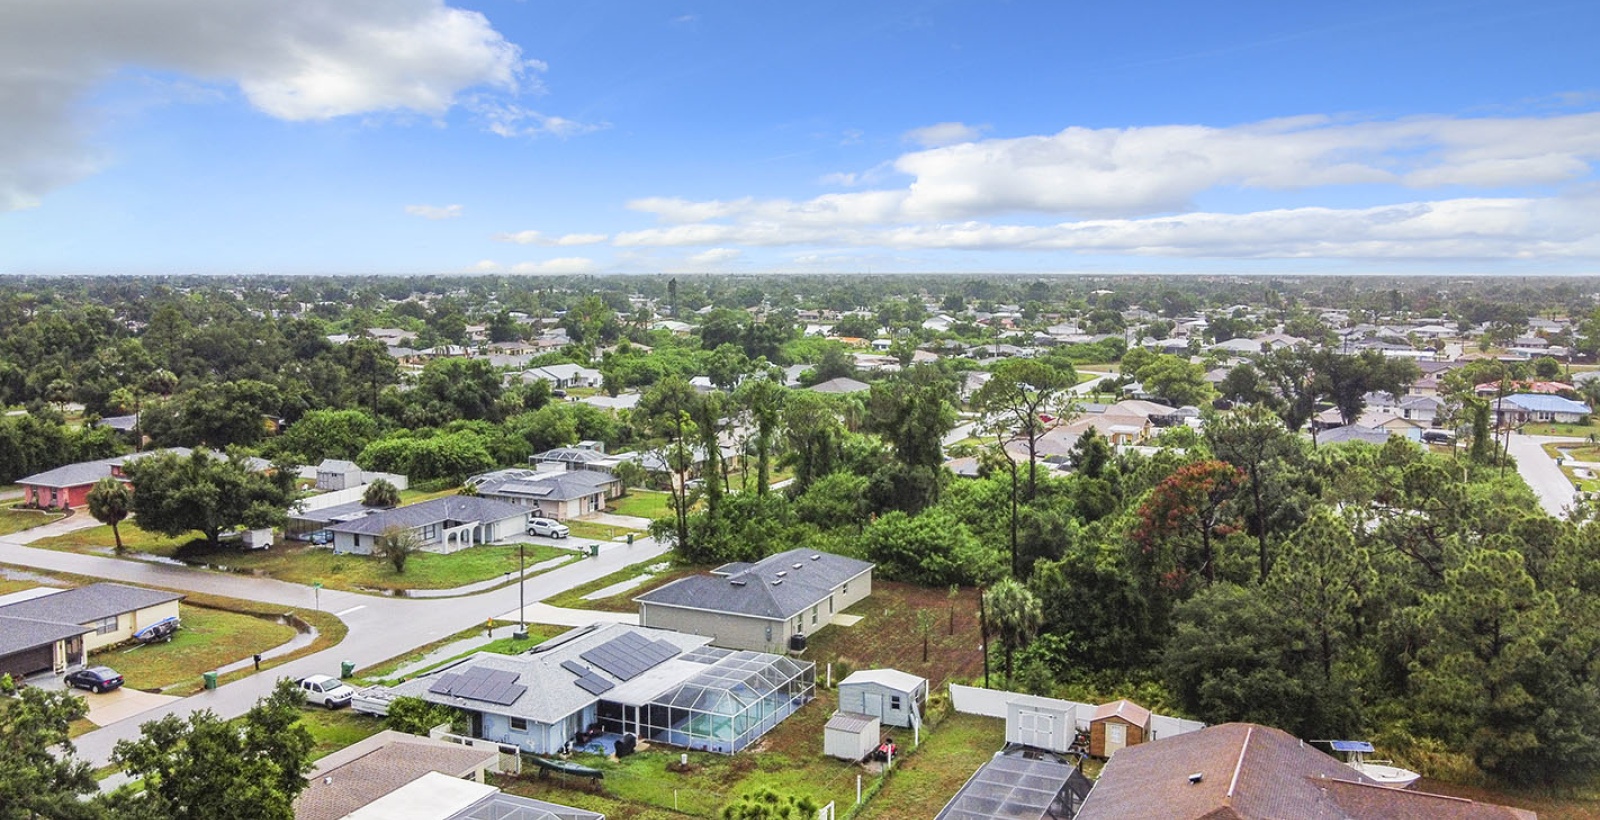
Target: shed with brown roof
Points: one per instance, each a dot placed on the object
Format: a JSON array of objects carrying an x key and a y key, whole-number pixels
[{"x": 1116, "y": 725}]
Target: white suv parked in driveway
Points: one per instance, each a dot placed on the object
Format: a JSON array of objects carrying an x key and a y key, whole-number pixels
[
  {"x": 326, "y": 690},
  {"x": 548, "y": 527}
]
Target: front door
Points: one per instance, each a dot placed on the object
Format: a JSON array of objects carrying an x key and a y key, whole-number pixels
[{"x": 872, "y": 703}]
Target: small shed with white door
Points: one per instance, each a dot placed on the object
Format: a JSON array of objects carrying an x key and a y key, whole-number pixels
[
  {"x": 1116, "y": 725},
  {"x": 850, "y": 736},
  {"x": 1041, "y": 723},
  {"x": 888, "y": 694}
]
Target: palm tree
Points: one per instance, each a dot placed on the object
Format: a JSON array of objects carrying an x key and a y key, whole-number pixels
[
  {"x": 1015, "y": 614},
  {"x": 109, "y": 503}
]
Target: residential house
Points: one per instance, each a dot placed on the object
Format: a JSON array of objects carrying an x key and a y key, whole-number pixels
[
  {"x": 759, "y": 606},
  {"x": 552, "y": 493},
  {"x": 564, "y": 376},
  {"x": 1351, "y": 432},
  {"x": 67, "y": 487},
  {"x": 437, "y": 796},
  {"x": 353, "y": 777},
  {"x": 842, "y": 384},
  {"x": 665, "y": 687},
  {"x": 442, "y": 525},
  {"x": 1244, "y": 771},
  {"x": 1538, "y": 407},
  {"x": 55, "y": 629}
]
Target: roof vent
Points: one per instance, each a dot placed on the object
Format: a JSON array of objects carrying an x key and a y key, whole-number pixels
[
  {"x": 1196, "y": 777},
  {"x": 797, "y": 566},
  {"x": 777, "y": 581},
  {"x": 782, "y": 572},
  {"x": 738, "y": 582},
  {"x": 815, "y": 557}
]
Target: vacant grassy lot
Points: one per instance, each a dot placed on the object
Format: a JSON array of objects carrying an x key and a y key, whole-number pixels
[
  {"x": 888, "y": 635},
  {"x": 209, "y": 638},
  {"x": 1582, "y": 431},
  {"x": 14, "y": 519},
  {"x": 643, "y": 503},
  {"x": 304, "y": 564},
  {"x": 599, "y": 532}
]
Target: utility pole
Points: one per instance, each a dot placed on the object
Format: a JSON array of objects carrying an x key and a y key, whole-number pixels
[{"x": 522, "y": 570}]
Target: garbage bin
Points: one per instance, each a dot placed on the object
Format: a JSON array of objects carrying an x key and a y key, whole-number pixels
[
  {"x": 210, "y": 678},
  {"x": 594, "y": 550},
  {"x": 630, "y": 539},
  {"x": 347, "y": 668}
]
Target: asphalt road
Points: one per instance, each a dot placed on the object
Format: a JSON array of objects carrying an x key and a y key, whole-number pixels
[
  {"x": 1536, "y": 467},
  {"x": 380, "y": 627}
]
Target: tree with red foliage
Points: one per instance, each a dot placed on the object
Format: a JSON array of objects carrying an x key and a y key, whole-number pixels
[{"x": 1192, "y": 503}]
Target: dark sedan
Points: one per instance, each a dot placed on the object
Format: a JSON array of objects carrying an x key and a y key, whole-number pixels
[{"x": 95, "y": 678}]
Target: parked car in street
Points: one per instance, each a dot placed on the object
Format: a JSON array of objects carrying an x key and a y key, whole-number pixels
[
  {"x": 95, "y": 678},
  {"x": 326, "y": 690},
  {"x": 547, "y": 527}
]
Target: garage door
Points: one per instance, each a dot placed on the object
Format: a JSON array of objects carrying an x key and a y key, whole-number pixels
[{"x": 28, "y": 661}]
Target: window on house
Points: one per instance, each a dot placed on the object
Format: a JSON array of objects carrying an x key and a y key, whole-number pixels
[
  {"x": 519, "y": 724},
  {"x": 894, "y": 702},
  {"x": 106, "y": 626},
  {"x": 813, "y": 616},
  {"x": 847, "y": 587},
  {"x": 357, "y": 541},
  {"x": 430, "y": 532}
]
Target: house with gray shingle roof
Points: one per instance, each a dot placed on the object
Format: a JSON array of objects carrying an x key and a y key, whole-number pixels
[
  {"x": 57, "y": 630},
  {"x": 443, "y": 524},
  {"x": 759, "y": 606},
  {"x": 663, "y": 686},
  {"x": 67, "y": 487},
  {"x": 556, "y": 493}
]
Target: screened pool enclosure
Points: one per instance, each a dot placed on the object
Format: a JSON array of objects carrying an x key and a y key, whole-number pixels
[{"x": 736, "y": 698}]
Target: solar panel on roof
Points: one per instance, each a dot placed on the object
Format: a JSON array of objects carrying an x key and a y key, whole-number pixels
[
  {"x": 495, "y": 686},
  {"x": 630, "y": 655},
  {"x": 594, "y": 684},
  {"x": 1351, "y": 746},
  {"x": 575, "y": 668}
]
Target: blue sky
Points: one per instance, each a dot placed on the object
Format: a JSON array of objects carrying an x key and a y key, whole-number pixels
[{"x": 400, "y": 136}]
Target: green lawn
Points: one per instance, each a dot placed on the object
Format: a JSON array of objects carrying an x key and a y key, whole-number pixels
[
  {"x": 413, "y": 496},
  {"x": 209, "y": 639},
  {"x": 643, "y": 503},
  {"x": 14, "y": 520},
  {"x": 304, "y": 564},
  {"x": 334, "y": 729},
  {"x": 573, "y": 598},
  {"x": 927, "y": 780},
  {"x": 599, "y": 532},
  {"x": 507, "y": 645},
  {"x": 1570, "y": 430}
]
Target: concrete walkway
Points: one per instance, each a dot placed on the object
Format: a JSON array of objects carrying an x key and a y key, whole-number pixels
[
  {"x": 1555, "y": 491},
  {"x": 627, "y": 522}
]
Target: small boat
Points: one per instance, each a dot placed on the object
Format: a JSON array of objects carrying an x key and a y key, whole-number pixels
[
  {"x": 1384, "y": 771},
  {"x": 161, "y": 630}
]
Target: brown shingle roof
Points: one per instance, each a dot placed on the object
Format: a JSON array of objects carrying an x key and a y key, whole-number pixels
[
  {"x": 1251, "y": 772},
  {"x": 375, "y": 768}
]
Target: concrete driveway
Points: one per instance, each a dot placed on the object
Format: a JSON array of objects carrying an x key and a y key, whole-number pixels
[
  {"x": 1554, "y": 489},
  {"x": 122, "y": 703}
]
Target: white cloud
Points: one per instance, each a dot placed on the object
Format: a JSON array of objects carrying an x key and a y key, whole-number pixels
[
  {"x": 435, "y": 211},
  {"x": 511, "y": 120},
  {"x": 1128, "y": 191},
  {"x": 715, "y": 256},
  {"x": 567, "y": 264},
  {"x": 538, "y": 238},
  {"x": 291, "y": 59},
  {"x": 945, "y": 133}
]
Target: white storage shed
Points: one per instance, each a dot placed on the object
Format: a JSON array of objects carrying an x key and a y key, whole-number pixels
[
  {"x": 1041, "y": 723},
  {"x": 850, "y": 736},
  {"x": 888, "y": 694}
]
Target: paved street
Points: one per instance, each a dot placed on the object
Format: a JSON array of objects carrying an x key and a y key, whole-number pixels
[
  {"x": 1536, "y": 467},
  {"x": 380, "y": 627}
]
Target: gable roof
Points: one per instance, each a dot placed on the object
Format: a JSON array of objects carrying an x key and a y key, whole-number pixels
[
  {"x": 565, "y": 485},
  {"x": 461, "y": 508},
  {"x": 549, "y": 689},
  {"x": 776, "y": 588},
  {"x": 21, "y": 634},
  {"x": 88, "y": 603},
  {"x": 1124, "y": 709},
  {"x": 1250, "y": 771},
  {"x": 890, "y": 678}
]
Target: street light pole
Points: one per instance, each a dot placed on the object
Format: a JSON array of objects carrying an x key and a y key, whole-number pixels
[{"x": 522, "y": 570}]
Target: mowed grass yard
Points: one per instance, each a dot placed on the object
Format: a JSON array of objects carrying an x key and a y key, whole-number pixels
[
  {"x": 303, "y": 564},
  {"x": 209, "y": 638},
  {"x": 642, "y": 503},
  {"x": 14, "y": 519}
]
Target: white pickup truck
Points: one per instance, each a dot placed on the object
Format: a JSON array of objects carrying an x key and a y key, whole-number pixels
[{"x": 326, "y": 690}]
